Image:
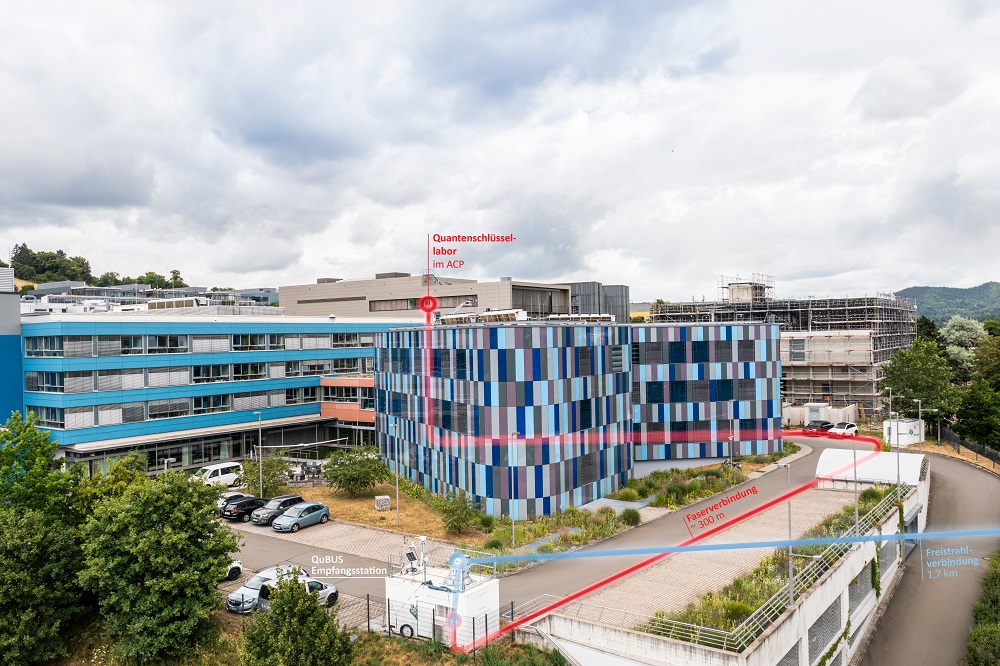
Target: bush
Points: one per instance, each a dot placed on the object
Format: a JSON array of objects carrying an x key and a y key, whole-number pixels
[
  {"x": 356, "y": 470},
  {"x": 869, "y": 495},
  {"x": 983, "y": 648},
  {"x": 626, "y": 495},
  {"x": 661, "y": 500},
  {"x": 487, "y": 521},
  {"x": 458, "y": 512},
  {"x": 630, "y": 517},
  {"x": 607, "y": 512},
  {"x": 493, "y": 544},
  {"x": 714, "y": 473},
  {"x": 546, "y": 548},
  {"x": 678, "y": 490}
]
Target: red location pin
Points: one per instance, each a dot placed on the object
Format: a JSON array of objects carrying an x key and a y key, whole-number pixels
[{"x": 428, "y": 304}]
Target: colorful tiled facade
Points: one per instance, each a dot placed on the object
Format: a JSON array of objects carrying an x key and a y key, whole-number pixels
[{"x": 532, "y": 418}]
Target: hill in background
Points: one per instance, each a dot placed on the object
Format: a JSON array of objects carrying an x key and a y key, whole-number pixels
[{"x": 940, "y": 303}]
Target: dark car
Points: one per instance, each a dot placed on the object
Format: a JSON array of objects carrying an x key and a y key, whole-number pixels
[
  {"x": 817, "y": 428},
  {"x": 241, "y": 508},
  {"x": 266, "y": 514}
]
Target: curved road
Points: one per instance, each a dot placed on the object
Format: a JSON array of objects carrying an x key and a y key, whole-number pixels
[{"x": 928, "y": 621}]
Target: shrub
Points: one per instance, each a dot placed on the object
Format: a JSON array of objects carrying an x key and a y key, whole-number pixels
[
  {"x": 714, "y": 473},
  {"x": 630, "y": 517},
  {"x": 487, "y": 521},
  {"x": 627, "y": 495},
  {"x": 661, "y": 500},
  {"x": 493, "y": 544},
  {"x": 355, "y": 470},
  {"x": 677, "y": 490},
  {"x": 458, "y": 512},
  {"x": 546, "y": 548},
  {"x": 983, "y": 648},
  {"x": 870, "y": 495},
  {"x": 607, "y": 512}
]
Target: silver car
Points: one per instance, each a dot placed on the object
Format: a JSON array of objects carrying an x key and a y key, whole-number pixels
[
  {"x": 326, "y": 593},
  {"x": 244, "y": 600}
]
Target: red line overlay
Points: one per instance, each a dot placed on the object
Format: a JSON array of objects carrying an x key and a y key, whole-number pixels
[{"x": 593, "y": 587}]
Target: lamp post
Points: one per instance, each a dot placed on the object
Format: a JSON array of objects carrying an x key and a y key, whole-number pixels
[
  {"x": 791, "y": 573},
  {"x": 857, "y": 520},
  {"x": 166, "y": 461},
  {"x": 395, "y": 454},
  {"x": 920, "y": 421},
  {"x": 260, "y": 453},
  {"x": 513, "y": 498}
]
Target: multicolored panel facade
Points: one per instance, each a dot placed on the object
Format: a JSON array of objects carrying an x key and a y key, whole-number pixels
[
  {"x": 527, "y": 419},
  {"x": 697, "y": 390}
]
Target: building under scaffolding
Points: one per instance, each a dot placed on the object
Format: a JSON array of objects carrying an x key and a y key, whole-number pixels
[{"x": 832, "y": 349}]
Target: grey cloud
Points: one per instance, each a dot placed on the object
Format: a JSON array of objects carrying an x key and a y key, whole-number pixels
[{"x": 901, "y": 88}]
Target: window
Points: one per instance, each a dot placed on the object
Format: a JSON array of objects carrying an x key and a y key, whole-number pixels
[
  {"x": 293, "y": 396},
  {"x": 175, "y": 376},
  {"x": 586, "y": 414},
  {"x": 617, "y": 359},
  {"x": 47, "y": 382},
  {"x": 653, "y": 353},
  {"x": 678, "y": 352},
  {"x": 315, "y": 367},
  {"x": 293, "y": 369},
  {"x": 246, "y": 401},
  {"x": 132, "y": 412},
  {"x": 50, "y": 345},
  {"x": 723, "y": 351},
  {"x": 678, "y": 392},
  {"x": 747, "y": 389},
  {"x": 315, "y": 340},
  {"x": 209, "y": 404},
  {"x": 635, "y": 354},
  {"x": 366, "y": 340},
  {"x": 584, "y": 358},
  {"x": 345, "y": 340},
  {"x": 109, "y": 380},
  {"x": 310, "y": 394},
  {"x": 699, "y": 351},
  {"x": 78, "y": 345},
  {"x": 167, "y": 344},
  {"x": 340, "y": 394},
  {"x": 654, "y": 393},
  {"x": 203, "y": 374},
  {"x": 210, "y": 344},
  {"x": 80, "y": 382},
  {"x": 276, "y": 341},
  {"x": 747, "y": 350},
  {"x": 109, "y": 345},
  {"x": 724, "y": 389},
  {"x": 246, "y": 371},
  {"x": 48, "y": 417},
  {"x": 250, "y": 342},
  {"x": 131, "y": 344},
  {"x": 165, "y": 409},
  {"x": 699, "y": 390},
  {"x": 346, "y": 365}
]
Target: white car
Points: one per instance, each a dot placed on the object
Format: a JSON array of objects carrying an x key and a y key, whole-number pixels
[{"x": 843, "y": 429}]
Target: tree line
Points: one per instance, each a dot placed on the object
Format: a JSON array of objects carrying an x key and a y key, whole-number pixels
[
  {"x": 955, "y": 370},
  {"x": 44, "y": 266}
]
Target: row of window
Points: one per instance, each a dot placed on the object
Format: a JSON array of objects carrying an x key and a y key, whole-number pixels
[
  {"x": 86, "y": 381},
  {"x": 696, "y": 390},
  {"x": 455, "y": 363},
  {"x": 75, "y": 346},
  {"x": 694, "y": 351},
  {"x": 72, "y": 418}
]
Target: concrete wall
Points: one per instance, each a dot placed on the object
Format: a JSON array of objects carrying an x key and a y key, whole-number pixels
[{"x": 11, "y": 377}]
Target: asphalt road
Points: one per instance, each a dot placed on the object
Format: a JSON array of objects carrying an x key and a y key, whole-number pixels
[{"x": 928, "y": 620}]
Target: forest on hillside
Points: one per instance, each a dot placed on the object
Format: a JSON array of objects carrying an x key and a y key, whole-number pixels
[
  {"x": 941, "y": 303},
  {"x": 45, "y": 266}
]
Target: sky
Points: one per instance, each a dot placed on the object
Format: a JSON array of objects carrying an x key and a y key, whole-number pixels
[{"x": 845, "y": 148}]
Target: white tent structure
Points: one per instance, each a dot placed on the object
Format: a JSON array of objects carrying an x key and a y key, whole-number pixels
[{"x": 873, "y": 468}]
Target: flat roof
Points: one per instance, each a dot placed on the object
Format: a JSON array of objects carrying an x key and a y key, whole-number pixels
[
  {"x": 838, "y": 464},
  {"x": 141, "y": 316}
]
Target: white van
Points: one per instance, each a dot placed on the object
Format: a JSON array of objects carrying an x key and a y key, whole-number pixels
[{"x": 224, "y": 473}]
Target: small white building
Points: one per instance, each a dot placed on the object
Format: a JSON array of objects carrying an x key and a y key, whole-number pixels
[
  {"x": 902, "y": 432},
  {"x": 434, "y": 593}
]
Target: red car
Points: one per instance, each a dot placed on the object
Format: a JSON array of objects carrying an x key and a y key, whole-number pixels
[{"x": 817, "y": 428}]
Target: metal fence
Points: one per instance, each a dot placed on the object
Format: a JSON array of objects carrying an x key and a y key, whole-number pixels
[{"x": 746, "y": 633}]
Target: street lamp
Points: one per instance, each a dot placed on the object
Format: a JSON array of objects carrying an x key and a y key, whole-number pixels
[
  {"x": 920, "y": 421},
  {"x": 791, "y": 573},
  {"x": 857, "y": 520},
  {"x": 513, "y": 498},
  {"x": 395, "y": 448},
  {"x": 260, "y": 453},
  {"x": 167, "y": 461}
]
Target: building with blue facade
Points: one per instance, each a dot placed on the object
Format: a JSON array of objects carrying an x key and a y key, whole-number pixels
[
  {"x": 191, "y": 387},
  {"x": 533, "y": 417}
]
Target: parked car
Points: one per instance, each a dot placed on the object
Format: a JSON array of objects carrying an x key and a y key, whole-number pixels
[
  {"x": 222, "y": 473},
  {"x": 843, "y": 429},
  {"x": 244, "y": 600},
  {"x": 301, "y": 515},
  {"x": 266, "y": 514},
  {"x": 817, "y": 428},
  {"x": 235, "y": 569},
  {"x": 230, "y": 497},
  {"x": 241, "y": 509},
  {"x": 326, "y": 593}
]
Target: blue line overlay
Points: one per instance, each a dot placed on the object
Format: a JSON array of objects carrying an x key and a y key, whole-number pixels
[{"x": 906, "y": 536}]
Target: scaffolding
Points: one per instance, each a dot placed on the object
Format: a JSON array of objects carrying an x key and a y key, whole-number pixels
[{"x": 832, "y": 349}]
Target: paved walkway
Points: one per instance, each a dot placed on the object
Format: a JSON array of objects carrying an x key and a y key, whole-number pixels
[
  {"x": 682, "y": 578},
  {"x": 349, "y": 538}
]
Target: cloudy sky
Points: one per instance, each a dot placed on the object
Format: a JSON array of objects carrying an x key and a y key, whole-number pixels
[{"x": 844, "y": 148}]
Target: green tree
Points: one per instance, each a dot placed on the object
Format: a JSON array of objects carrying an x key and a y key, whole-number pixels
[
  {"x": 296, "y": 631},
  {"x": 356, "y": 470},
  {"x": 987, "y": 363},
  {"x": 176, "y": 280},
  {"x": 108, "y": 279},
  {"x": 962, "y": 332},
  {"x": 992, "y": 327},
  {"x": 39, "y": 562},
  {"x": 920, "y": 372},
  {"x": 275, "y": 474},
  {"x": 978, "y": 416},
  {"x": 962, "y": 362},
  {"x": 29, "y": 478},
  {"x": 154, "y": 280},
  {"x": 3, "y": 264},
  {"x": 153, "y": 558},
  {"x": 927, "y": 329},
  {"x": 458, "y": 512},
  {"x": 88, "y": 492}
]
